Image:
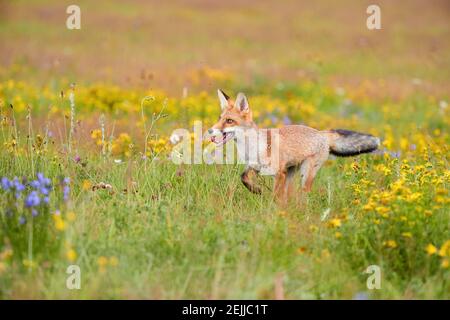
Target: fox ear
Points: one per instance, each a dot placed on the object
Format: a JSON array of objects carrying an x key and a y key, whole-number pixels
[
  {"x": 223, "y": 97},
  {"x": 241, "y": 102}
]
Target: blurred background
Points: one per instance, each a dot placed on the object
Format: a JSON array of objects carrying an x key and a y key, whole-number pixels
[{"x": 192, "y": 43}]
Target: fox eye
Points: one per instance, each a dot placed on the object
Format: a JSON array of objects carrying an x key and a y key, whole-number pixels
[{"x": 229, "y": 121}]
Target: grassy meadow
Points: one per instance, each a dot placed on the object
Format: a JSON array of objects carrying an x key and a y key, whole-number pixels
[{"x": 86, "y": 178}]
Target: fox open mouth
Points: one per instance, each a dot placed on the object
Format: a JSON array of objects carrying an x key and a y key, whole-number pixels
[{"x": 220, "y": 140}]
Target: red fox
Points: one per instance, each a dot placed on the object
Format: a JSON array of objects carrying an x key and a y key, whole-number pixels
[{"x": 296, "y": 147}]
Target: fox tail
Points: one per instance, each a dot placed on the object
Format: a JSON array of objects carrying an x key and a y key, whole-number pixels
[{"x": 346, "y": 143}]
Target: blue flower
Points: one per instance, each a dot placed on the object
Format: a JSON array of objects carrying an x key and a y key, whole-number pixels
[
  {"x": 40, "y": 176},
  {"x": 22, "y": 220},
  {"x": 6, "y": 184},
  {"x": 34, "y": 212},
  {"x": 44, "y": 191},
  {"x": 287, "y": 120},
  {"x": 35, "y": 184},
  {"x": 18, "y": 186},
  {"x": 66, "y": 191},
  {"x": 32, "y": 199},
  {"x": 46, "y": 200}
]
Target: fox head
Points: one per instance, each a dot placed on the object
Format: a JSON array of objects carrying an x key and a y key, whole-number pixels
[{"x": 236, "y": 115}]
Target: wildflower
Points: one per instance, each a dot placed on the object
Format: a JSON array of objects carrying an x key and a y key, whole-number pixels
[
  {"x": 71, "y": 255},
  {"x": 29, "y": 263},
  {"x": 102, "y": 263},
  {"x": 361, "y": 296},
  {"x": 430, "y": 249},
  {"x": 44, "y": 191},
  {"x": 445, "y": 263},
  {"x": 390, "y": 244},
  {"x": 35, "y": 184},
  {"x": 43, "y": 180},
  {"x": 32, "y": 200},
  {"x": 444, "y": 251},
  {"x": 334, "y": 223},
  {"x": 6, "y": 184},
  {"x": 66, "y": 191},
  {"x": 22, "y": 220},
  {"x": 86, "y": 185},
  {"x": 301, "y": 250},
  {"x": 338, "y": 235},
  {"x": 407, "y": 235},
  {"x": 287, "y": 120},
  {"x": 18, "y": 187},
  {"x": 428, "y": 213},
  {"x": 34, "y": 212},
  {"x": 60, "y": 225}
]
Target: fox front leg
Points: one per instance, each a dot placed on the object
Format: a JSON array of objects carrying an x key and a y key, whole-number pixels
[{"x": 247, "y": 179}]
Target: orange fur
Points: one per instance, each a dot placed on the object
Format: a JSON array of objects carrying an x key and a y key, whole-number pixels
[{"x": 299, "y": 147}]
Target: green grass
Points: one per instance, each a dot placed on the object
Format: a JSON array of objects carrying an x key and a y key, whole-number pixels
[{"x": 194, "y": 231}]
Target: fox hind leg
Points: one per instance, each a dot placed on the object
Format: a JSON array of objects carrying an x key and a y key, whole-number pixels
[
  {"x": 280, "y": 186},
  {"x": 309, "y": 169},
  {"x": 290, "y": 186}
]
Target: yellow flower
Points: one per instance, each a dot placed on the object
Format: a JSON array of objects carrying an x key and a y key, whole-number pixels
[
  {"x": 390, "y": 244},
  {"x": 430, "y": 249},
  {"x": 86, "y": 185},
  {"x": 334, "y": 223},
  {"x": 407, "y": 234},
  {"x": 445, "y": 263},
  {"x": 96, "y": 134},
  {"x": 71, "y": 255},
  {"x": 338, "y": 235},
  {"x": 313, "y": 228},
  {"x": 445, "y": 249},
  {"x": 382, "y": 210},
  {"x": 60, "y": 225},
  {"x": 428, "y": 213},
  {"x": 29, "y": 263},
  {"x": 102, "y": 261}
]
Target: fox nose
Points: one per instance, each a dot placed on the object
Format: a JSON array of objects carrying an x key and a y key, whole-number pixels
[{"x": 210, "y": 131}]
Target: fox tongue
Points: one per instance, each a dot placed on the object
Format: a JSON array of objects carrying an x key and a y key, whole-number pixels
[
  {"x": 220, "y": 139},
  {"x": 215, "y": 139}
]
